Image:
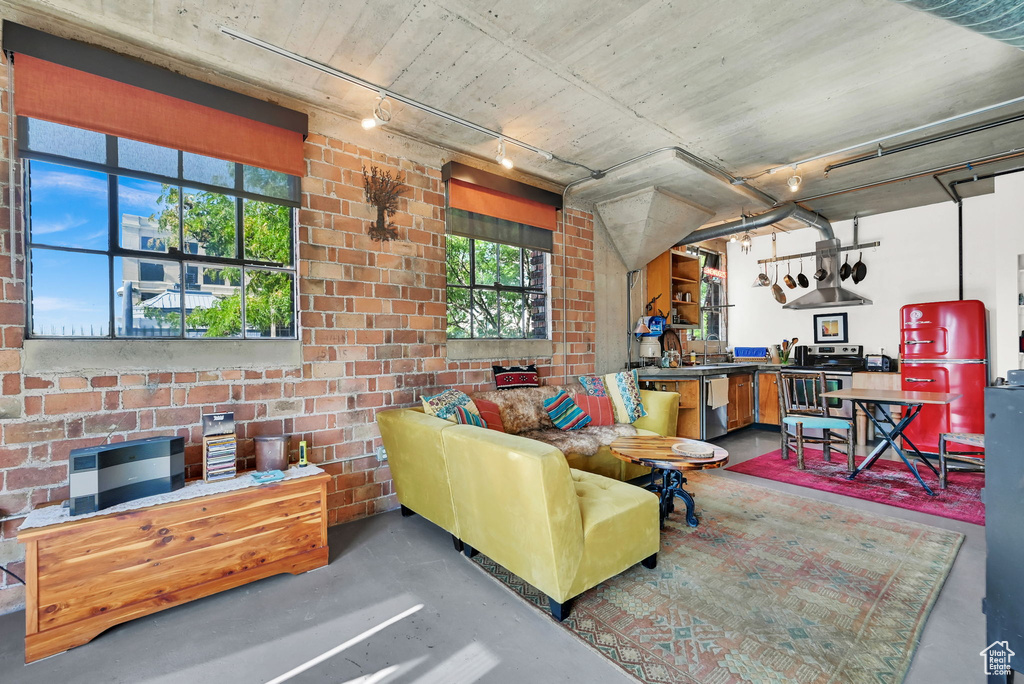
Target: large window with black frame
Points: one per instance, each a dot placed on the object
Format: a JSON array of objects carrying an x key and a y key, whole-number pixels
[
  {"x": 713, "y": 298},
  {"x": 497, "y": 277},
  {"x": 131, "y": 240}
]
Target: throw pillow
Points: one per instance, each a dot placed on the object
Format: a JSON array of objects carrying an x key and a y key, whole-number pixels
[
  {"x": 598, "y": 408},
  {"x": 512, "y": 377},
  {"x": 565, "y": 413},
  {"x": 491, "y": 414},
  {"x": 624, "y": 391},
  {"x": 593, "y": 385},
  {"x": 464, "y": 417},
  {"x": 443, "y": 405}
]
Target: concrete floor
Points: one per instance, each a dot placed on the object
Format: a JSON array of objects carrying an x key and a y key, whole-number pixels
[{"x": 469, "y": 629}]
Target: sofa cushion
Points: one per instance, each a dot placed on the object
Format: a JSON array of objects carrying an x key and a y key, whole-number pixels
[
  {"x": 566, "y": 413},
  {"x": 624, "y": 390},
  {"x": 598, "y": 408},
  {"x": 513, "y": 377},
  {"x": 585, "y": 441},
  {"x": 522, "y": 409},
  {"x": 593, "y": 385},
  {"x": 490, "y": 413},
  {"x": 466, "y": 417},
  {"x": 443, "y": 405}
]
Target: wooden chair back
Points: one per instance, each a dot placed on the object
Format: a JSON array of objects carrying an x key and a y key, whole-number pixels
[{"x": 800, "y": 394}]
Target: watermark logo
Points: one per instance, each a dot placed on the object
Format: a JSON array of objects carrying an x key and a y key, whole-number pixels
[{"x": 997, "y": 658}]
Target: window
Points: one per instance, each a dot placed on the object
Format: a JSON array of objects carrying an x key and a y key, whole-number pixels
[
  {"x": 714, "y": 312},
  {"x": 132, "y": 240},
  {"x": 495, "y": 290}
]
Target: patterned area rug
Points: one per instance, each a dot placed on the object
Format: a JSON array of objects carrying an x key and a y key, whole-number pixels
[
  {"x": 887, "y": 482},
  {"x": 770, "y": 588}
]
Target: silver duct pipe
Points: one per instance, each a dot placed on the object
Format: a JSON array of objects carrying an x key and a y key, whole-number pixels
[
  {"x": 1003, "y": 21},
  {"x": 779, "y": 213}
]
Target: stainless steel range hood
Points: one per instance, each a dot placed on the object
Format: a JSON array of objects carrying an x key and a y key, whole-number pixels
[{"x": 828, "y": 291}]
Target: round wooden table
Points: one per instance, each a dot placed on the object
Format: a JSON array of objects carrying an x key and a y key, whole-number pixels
[{"x": 656, "y": 453}]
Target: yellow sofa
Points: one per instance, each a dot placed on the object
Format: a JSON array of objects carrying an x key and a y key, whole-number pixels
[{"x": 517, "y": 500}]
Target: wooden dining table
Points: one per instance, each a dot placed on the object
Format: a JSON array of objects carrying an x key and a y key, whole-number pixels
[{"x": 889, "y": 429}]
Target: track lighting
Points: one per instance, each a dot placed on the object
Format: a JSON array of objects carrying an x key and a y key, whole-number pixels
[
  {"x": 381, "y": 113},
  {"x": 500, "y": 157},
  {"x": 794, "y": 183}
]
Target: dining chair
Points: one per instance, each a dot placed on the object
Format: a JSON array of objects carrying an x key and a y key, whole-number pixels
[
  {"x": 972, "y": 458},
  {"x": 802, "y": 407}
]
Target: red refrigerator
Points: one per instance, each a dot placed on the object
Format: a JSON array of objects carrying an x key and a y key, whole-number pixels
[{"x": 944, "y": 347}]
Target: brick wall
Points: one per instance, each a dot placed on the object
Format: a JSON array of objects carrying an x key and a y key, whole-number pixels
[{"x": 372, "y": 324}]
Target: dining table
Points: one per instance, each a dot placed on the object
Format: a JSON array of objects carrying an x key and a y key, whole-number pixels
[{"x": 892, "y": 430}]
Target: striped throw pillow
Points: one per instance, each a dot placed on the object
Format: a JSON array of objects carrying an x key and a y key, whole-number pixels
[
  {"x": 598, "y": 408},
  {"x": 466, "y": 417},
  {"x": 565, "y": 413},
  {"x": 491, "y": 414}
]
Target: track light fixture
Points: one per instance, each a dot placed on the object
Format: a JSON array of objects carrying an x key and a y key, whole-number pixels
[
  {"x": 794, "y": 183},
  {"x": 500, "y": 157},
  {"x": 381, "y": 113}
]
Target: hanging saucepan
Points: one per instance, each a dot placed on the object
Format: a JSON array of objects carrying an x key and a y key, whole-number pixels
[
  {"x": 777, "y": 292},
  {"x": 801, "y": 278},
  {"x": 763, "y": 277},
  {"x": 845, "y": 270},
  {"x": 860, "y": 269},
  {"x": 820, "y": 274},
  {"x": 789, "y": 280}
]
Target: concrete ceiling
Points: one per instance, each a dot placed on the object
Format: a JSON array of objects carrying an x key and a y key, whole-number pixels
[{"x": 743, "y": 85}]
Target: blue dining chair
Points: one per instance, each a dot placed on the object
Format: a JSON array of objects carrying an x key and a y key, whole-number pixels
[{"x": 802, "y": 407}]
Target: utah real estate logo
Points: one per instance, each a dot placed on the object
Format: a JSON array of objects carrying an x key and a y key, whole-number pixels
[{"x": 997, "y": 658}]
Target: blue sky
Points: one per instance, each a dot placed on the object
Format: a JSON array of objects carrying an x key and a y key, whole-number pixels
[{"x": 69, "y": 209}]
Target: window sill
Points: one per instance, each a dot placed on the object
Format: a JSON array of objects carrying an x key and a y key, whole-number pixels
[
  {"x": 498, "y": 350},
  {"x": 123, "y": 356}
]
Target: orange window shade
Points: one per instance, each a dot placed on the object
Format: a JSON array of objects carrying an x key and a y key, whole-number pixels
[
  {"x": 44, "y": 90},
  {"x": 481, "y": 200}
]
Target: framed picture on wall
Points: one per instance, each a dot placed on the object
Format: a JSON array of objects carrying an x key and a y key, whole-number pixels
[{"x": 830, "y": 328}]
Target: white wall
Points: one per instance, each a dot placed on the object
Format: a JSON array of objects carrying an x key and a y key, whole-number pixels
[{"x": 916, "y": 262}]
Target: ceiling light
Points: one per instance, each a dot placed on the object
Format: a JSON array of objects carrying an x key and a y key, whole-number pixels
[
  {"x": 794, "y": 183},
  {"x": 500, "y": 157},
  {"x": 732, "y": 239},
  {"x": 745, "y": 243},
  {"x": 381, "y": 113}
]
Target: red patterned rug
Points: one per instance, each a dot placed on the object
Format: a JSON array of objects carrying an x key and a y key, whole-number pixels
[
  {"x": 770, "y": 588},
  {"x": 887, "y": 482}
]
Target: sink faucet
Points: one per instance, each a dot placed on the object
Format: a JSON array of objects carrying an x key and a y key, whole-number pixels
[{"x": 708, "y": 339}]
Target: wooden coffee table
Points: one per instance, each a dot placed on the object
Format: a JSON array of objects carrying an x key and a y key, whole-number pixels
[{"x": 656, "y": 453}]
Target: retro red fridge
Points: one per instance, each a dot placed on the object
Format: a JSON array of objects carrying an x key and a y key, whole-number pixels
[{"x": 944, "y": 347}]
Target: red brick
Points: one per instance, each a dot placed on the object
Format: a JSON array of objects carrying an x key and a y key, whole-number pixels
[
  {"x": 263, "y": 392},
  {"x": 38, "y": 431},
  {"x": 27, "y": 476},
  {"x": 104, "y": 381},
  {"x": 143, "y": 398},
  {"x": 12, "y": 383},
  {"x": 103, "y": 423},
  {"x": 209, "y": 394},
  {"x": 32, "y": 383},
  {"x": 73, "y": 402},
  {"x": 177, "y": 416}
]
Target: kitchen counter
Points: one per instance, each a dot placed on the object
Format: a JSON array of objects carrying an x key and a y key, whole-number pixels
[{"x": 685, "y": 372}]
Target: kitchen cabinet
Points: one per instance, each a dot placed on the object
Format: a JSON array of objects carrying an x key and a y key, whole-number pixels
[
  {"x": 768, "y": 398},
  {"x": 688, "y": 422},
  {"x": 676, "y": 277},
  {"x": 741, "y": 400}
]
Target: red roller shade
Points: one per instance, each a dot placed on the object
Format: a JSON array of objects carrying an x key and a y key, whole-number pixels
[
  {"x": 481, "y": 200},
  {"x": 60, "y": 94}
]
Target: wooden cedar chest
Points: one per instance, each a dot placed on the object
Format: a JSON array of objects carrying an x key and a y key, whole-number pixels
[{"x": 86, "y": 575}]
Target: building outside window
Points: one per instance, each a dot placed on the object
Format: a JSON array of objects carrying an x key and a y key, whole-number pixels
[{"x": 131, "y": 240}]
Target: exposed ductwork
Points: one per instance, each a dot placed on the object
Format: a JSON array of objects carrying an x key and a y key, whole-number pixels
[
  {"x": 1003, "y": 21},
  {"x": 779, "y": 213}
]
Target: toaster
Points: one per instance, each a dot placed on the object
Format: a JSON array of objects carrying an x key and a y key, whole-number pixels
[{"x": 878, "y": 362}]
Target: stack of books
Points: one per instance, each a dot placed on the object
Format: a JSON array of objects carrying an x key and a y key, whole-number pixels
[{"x": 219, "y": 462}]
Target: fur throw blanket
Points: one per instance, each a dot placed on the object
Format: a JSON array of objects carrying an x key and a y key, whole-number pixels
[{"x": 585, "y": 441}]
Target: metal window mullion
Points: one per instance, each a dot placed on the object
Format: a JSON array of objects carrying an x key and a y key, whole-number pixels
[
  {"x": 113, "y": 237},
  {"x": 241, "y": 301},
  {"x": 472, "y": 287},
  {"x": 27, "y": 200},
  {"x": 156, "y": 178}
]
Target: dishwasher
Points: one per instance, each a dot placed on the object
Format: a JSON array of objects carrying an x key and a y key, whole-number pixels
[{"x": 715, "y": 422}]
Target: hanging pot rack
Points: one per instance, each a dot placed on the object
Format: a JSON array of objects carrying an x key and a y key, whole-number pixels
[{"x": 804, "y": 255}]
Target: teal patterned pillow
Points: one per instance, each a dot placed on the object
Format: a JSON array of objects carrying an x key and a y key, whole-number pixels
[
  {"x": 593, "y": 385},
  {"x": 443, "y": 405}
]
